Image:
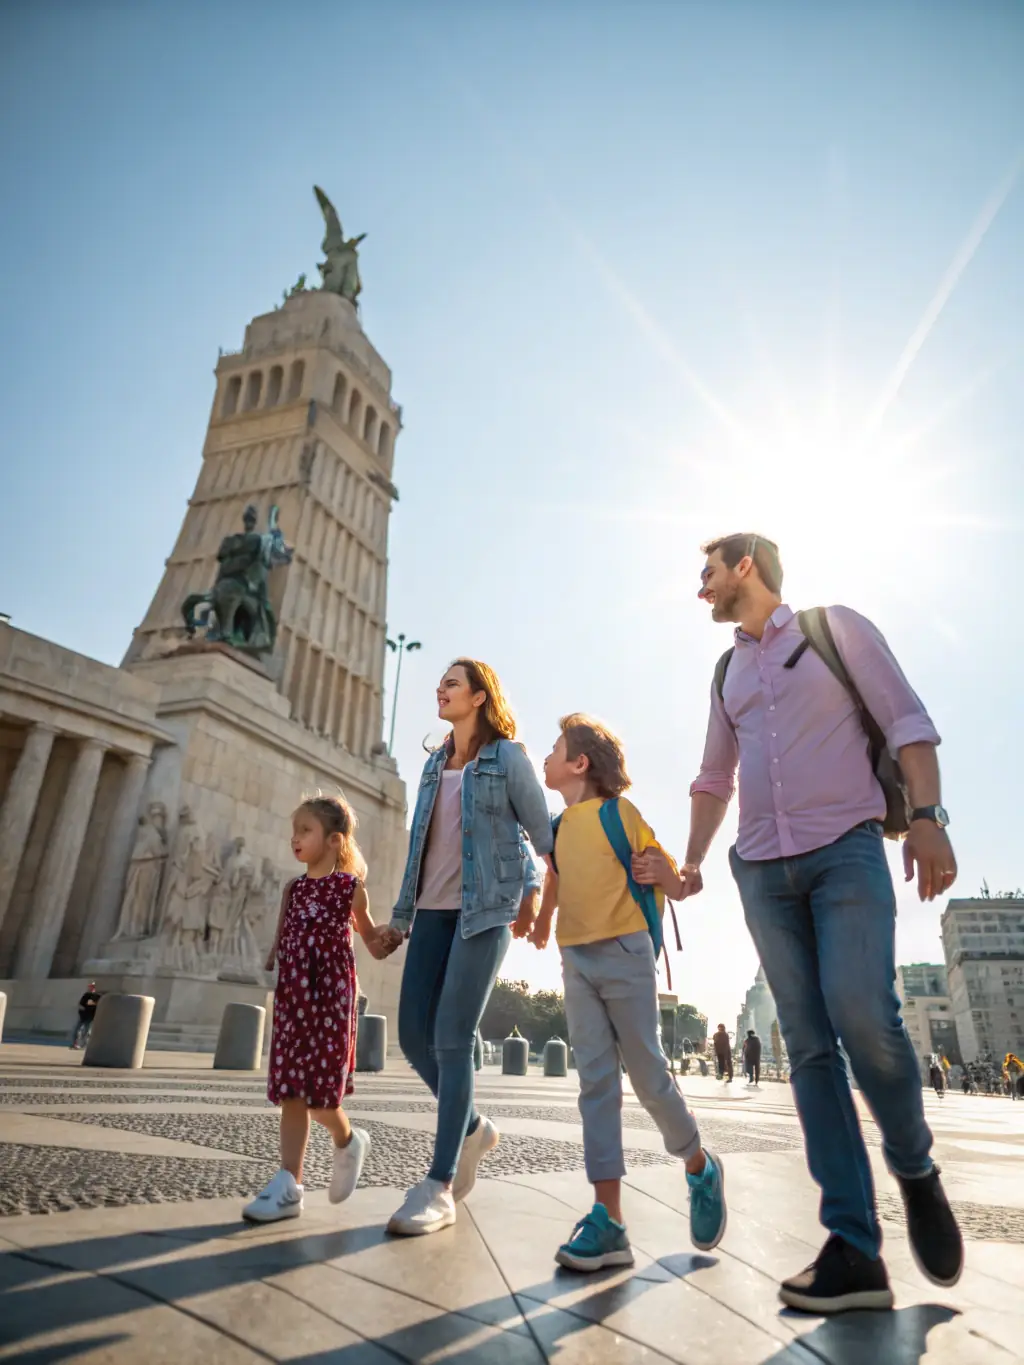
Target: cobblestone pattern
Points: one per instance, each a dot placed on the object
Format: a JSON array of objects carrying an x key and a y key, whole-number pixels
[
  {"x": 57, "y": 1179},
  {"x": 398, "y": 1157},
  {"x": 42, "y": 1101},
  {"x": 980, "y": 1222}
]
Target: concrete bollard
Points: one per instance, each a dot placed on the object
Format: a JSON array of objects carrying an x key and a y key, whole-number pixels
[
  {"x": 515, "y": 1056},
  {"x": 556, "y": 1058},
  {"x": 119, "y": 1031},
  {"x": 3, "y": 1011},
  {"x": 371, "y": 1042},
  {"x": 240, "y": 1041}
]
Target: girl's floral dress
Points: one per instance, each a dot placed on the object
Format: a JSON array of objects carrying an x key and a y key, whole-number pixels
[{"x": 313, "y": 1048}]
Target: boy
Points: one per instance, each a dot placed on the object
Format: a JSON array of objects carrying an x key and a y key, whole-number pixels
[{"x": 611, "y": 993}]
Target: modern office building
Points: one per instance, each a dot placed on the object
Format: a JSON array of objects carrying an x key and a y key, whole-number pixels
[
  {"x": 928, "y": 1011},
  {"x": 983, "y": 941}
]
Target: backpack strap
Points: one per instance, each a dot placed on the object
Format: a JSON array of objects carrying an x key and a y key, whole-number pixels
[
  {"x": 818, "y": 633},
  {"x": 611, "y": 823},
  {"x": 721, "y": 668},
  {"x": 556, "y": 820}
]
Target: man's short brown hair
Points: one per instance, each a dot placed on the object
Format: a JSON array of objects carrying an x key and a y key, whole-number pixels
[
  {"x": 764, "y": 553},
  {"x": 603, "y": 750}
]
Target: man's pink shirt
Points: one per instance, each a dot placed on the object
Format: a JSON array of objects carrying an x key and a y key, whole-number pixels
[{"x": 805, "y": 775}]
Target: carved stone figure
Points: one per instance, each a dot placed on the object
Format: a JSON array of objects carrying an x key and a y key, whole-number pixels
[
  {"x": 138, "y": 908},
  {"x": 191, "y": 875},
  {"x": 262, "y": 906},
  {"x": 218, "y": 915},
  {"x": 340, "y": 271},
  {"x": 238, "y": 609}
]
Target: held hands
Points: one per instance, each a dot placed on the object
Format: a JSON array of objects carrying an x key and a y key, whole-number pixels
[
  {"x": 541, "y": 931},
  {"x": 927, "y": 845},
  {"x": 653, "y": 868},
  {"x": 382, "y": 941}
]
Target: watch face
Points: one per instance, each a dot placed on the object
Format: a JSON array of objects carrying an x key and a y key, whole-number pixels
[{"x": 941, "y": 818}]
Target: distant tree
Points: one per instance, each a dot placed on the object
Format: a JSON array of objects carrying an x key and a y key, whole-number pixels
[
  {"x": 509, "y": 1005},
  {"x": 691, "y": 1024}
]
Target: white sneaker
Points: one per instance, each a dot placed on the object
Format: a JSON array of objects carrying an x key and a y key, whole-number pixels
[
  {"x": 348, "y": 1166},
  {"x": 484, "y": 1138},
  {"x": 282, "y": 1198},
  {"x": 428, "y": 1207}
]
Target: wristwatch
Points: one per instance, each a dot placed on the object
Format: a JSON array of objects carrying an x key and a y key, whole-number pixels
[{"x": 938, "y": 815}]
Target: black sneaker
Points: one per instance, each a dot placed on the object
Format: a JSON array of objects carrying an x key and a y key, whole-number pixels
[
  {"x": 840, "y": 1279},
  {"x": 932, "y": 1228}
]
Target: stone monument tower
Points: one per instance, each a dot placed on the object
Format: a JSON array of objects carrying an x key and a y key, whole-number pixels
[{"x": 255, "y": 678}]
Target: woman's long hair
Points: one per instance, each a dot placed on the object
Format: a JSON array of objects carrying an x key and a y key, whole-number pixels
[{"x": 494, "y": 720}]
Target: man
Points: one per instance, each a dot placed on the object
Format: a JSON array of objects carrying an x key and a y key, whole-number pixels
[
  {"x": 86, "y": 1014},
  {"x": 723, "y": 1052},
  {"x": 752, "y": 1057},
  {"x": 818, "y": 899}
]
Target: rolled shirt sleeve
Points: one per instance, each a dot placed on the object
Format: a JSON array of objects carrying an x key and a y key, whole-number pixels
[
  {"x": 883, "y": 687},
  {"x": 717, "y": 774}
]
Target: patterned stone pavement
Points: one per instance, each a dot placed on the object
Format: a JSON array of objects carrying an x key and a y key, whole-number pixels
[{"x": 142, "y": 1255}]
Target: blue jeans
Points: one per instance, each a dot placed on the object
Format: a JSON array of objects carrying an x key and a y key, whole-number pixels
[
  {"x": 824, "y": 925},
  {"x": 445, "y": 988}
]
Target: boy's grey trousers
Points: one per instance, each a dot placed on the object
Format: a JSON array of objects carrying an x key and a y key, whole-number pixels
[{"x": 611, "y": 1004}]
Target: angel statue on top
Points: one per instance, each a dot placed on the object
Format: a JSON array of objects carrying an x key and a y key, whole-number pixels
[{"x": 340, "y": 271}]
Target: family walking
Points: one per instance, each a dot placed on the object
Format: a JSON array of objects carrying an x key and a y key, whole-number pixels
[{"x": 833, "y": 750}]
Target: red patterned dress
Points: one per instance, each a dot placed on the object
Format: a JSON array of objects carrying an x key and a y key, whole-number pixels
[{"x": 313, "y": 1048}]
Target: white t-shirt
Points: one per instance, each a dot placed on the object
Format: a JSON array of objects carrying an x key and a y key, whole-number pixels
[{"x": 441, "y": 882}]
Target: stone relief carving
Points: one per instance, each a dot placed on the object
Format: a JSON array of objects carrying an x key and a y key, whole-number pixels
[
  {"x": 219, "y": 907},
  {"x": 139, "y": 906}
]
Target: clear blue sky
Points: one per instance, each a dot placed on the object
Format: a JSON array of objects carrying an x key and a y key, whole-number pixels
[{"x": 644, "y": 272}]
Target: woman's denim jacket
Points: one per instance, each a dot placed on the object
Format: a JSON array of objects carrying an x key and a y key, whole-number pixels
[{"x": 501, "y": 797}]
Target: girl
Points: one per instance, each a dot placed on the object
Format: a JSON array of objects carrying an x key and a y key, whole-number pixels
[
  {"x": 462, "y": 890},
  {"x": 313, "y": 1047}
]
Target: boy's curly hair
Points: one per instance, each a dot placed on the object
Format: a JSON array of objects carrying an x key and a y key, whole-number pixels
[{"x": 587, "y": 736}]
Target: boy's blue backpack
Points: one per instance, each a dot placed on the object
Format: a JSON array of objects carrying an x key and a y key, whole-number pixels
[{"x": 615, "y": 832}]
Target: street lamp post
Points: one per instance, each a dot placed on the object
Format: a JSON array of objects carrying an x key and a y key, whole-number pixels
[{"x": 399, "y": 647}]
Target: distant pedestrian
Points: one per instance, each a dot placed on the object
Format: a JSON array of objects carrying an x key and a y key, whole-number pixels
[
  {"x": 86, "y": 1015},
  {"x": 610, "y": 935},
  {"x": 752, "y": 1057},
  {"x": 313, "y": 1046},
  {"x": 811, "y": 708},
  {"x": 723, "y": 1052},
  {"x": 938, "y": 1079}
]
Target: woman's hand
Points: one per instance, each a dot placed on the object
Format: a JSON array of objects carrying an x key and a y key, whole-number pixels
[{"x": 523, "y": 926}]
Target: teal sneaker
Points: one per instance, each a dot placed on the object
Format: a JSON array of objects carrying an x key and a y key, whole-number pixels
[
  {"x": 597, "y": 1241},
  {"x": 707, "y": 1204}
]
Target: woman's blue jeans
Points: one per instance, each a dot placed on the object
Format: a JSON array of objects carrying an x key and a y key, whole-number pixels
[
  {"x": 824, "y": 925},
  {"x": 445, "y": 988}
]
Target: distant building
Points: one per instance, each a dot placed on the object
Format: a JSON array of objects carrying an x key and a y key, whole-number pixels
[
  {"x": 983, "y": 942},
  {"x": 758, "y": 1012},
  {"x": 928, "y": 1012}
]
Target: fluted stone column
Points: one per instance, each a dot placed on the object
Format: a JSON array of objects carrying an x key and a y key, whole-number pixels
[
  {"x": 20, "y": 806},
  {"x": 45, "y": 917},
  {"x": 102, "y": 921}
]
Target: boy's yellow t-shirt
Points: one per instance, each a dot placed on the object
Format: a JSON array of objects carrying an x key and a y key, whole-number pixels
[{"x": 594, "y": 900}]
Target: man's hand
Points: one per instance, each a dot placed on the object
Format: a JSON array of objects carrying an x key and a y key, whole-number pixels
[
  {"x": 541, "y": 931},
  {"x": 927, "y": 845},
  {"x": 653, "y": 868},
  {"x": 527, "y": 914}
]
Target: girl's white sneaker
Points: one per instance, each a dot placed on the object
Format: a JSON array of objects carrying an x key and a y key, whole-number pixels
[
  {"x": 428, "y": 1207},
  {"x": 483, "y": 1139},
  {"x": 281, "y": 1198},
  {"x": 348, "y": 1165}
]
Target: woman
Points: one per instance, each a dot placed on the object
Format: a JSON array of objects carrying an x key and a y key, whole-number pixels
[{"x": 463, "y": 896}]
